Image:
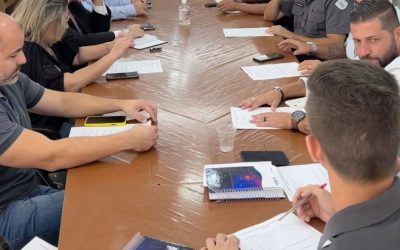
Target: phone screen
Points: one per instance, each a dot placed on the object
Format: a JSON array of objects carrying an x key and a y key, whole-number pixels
[{"x": 105, "y": 119}]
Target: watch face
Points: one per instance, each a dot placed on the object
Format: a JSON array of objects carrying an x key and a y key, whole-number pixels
[{"x": 298, "y": 115}]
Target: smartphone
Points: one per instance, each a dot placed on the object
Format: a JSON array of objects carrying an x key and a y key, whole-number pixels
[
  {"x": 125, "y": 75},
  {"x": 104, "y": 121},
  {"x": 278, "y": 158},
  {"x": 147, "y": 26},
  {"x": 268, "y": 57},
  {"x": 211, "y": 5}
]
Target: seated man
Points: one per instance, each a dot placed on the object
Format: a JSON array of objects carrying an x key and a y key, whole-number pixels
[
  {"x": 316, "y": 22},
  {"x": 121, "y": 9},
  {"x": 371, "y": 19},
  {"x": 26, "y": 208},
  {"x": 355, "y": 136},
  {"x": 243, "y": 6}
]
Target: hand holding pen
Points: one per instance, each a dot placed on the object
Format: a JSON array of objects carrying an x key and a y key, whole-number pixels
[{"x": 313, "y": 201}]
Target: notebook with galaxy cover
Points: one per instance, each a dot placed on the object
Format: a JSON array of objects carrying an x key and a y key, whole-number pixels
[
  {"x": 140, "y": 242},
  {"x": 242, "y": 181}
]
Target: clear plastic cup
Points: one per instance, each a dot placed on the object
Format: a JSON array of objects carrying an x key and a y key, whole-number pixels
[{"x": 226, "y": 137}]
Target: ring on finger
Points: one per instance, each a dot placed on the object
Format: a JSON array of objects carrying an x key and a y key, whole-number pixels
[{"x": 265, "y": 119}]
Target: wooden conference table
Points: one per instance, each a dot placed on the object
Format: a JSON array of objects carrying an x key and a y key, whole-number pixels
[{"x": 160, "y": 192}]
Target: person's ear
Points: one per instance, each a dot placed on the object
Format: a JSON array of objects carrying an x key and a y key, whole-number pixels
[
  {"x": 314, "y": 148},
  {"x": 396, "y": 33}
]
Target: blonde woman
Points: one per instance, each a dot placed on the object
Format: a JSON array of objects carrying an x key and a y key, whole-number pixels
[{"x": 50, "y": 61}]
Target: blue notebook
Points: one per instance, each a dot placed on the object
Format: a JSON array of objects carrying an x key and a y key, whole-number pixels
[
  {"x": 140, "y": 242},
  {"x": 242, "y": 182}
]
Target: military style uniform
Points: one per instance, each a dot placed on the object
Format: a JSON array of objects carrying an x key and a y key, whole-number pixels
[{"x": 317, "y": 18}]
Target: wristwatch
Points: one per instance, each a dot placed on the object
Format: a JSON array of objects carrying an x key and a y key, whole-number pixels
[
  {"x": 297, "y": 117},
  {"x": 313, "y": 47},
  {"x": 281, "y": 91}
]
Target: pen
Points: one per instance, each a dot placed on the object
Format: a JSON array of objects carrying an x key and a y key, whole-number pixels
[{"x": 301, "y": 203}]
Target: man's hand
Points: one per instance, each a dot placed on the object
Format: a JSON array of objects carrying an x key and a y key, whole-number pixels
[
  {"x": 135, "y": 30},
  {"x": 300, "y": 48},
  {"x": 308, "y": 66},
  {"x": 142, "y": 138},
  {"x": 280, "y": 31},
  {"x": 320, "y": 204},
  {"x": 280, "y": 120},
  {"x": 228, "y": 5},
  {"x": 120, "y": 46},
  {"x": 133, "y": 107},
  {"x": 272, "y": 98},
  {"x": 222, "y": 242},
  {"x": 140, "y": 7}
]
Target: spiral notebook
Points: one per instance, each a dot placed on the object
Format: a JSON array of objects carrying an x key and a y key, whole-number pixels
[
  {"x": 140, "y": 242},
  {"x": 242, "y": 181}
]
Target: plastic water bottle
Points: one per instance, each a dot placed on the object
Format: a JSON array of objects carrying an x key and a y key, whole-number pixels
[{"x": 184, "y": 13}]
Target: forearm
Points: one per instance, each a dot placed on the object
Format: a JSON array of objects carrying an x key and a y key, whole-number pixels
[
  {"x": 91, "y": 53},
  {"x": 256, "y": 9},
  {"x": 73, "y": 82},
  {"x": 294, "y": 89},
  {"x": 331, "y": 51},
  {"x": 329, "y": 39},
  {"x": 304, "y": 126},
  {"x": 271, "y": 10}
]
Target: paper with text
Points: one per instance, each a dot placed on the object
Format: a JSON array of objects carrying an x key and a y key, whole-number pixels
[
  {"x": 101, "y": 131},
  {"x": 241, "y": 117},
  {"x": 298, "y": 103},
  {"x": 247, "y": 32},
  {"x": 147, "y": 41},
  {"x": 294, "y": 177},
  {"x": 288, "y": 234},
  {"x": 142, "y": 67},
  {"x": 272, "y": 71},
  {"x": 38, "y": 244}
]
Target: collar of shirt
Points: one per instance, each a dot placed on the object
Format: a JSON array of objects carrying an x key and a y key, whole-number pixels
[{"x": 366, "y": 213}]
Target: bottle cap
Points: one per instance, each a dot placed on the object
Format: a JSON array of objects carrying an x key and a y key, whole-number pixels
[{"x": 184, "y": 1}]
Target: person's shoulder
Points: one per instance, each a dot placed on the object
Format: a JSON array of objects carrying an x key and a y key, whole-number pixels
[{"x": 341, "y": 5}]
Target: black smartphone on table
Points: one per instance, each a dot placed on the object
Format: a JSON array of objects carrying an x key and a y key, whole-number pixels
[
  {"x": 210, "y": 5},
  {"x": 278, "y": 158},
  {"x": 268, "y": 57},
  {"x": 147, "y": 26},
  {"x": 124, "y": 75}
]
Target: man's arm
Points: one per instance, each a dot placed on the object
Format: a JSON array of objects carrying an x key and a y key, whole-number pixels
[
  {"x": 231, "y": 5},
  {"x": 330, "y": 38},
  {"x": 327, "y": 52},
  {"x": 272, "y": 10},
  {"x": 71, "y": 152},
  {"x": 55, "y": 103}
]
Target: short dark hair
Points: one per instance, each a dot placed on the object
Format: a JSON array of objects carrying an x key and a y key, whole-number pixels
[
  {"x": 354, "y": 112},
  {"x": 371, "y": 9}
]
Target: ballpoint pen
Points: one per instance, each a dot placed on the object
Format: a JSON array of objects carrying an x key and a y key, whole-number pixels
[{"x": 301, "y": 203}]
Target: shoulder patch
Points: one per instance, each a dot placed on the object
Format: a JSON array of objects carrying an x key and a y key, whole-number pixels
[{"x": 341, "y": 4}]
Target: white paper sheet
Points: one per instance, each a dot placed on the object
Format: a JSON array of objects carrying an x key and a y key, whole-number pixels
[
  {"x": 147, "y": 41},
  {"x": 241, "y": 118},
  {"x": 294, "y": 177},
  {"x": 298, "y": 103},
  {"x": 38, "y": 244},
  {"x": 288, "y": 234},
  {"x": 247, "y": 32},
  {"x": 100, "y": 131},
  {"x": 142, "y": 67},
  {"x": 272, "y": 71}
]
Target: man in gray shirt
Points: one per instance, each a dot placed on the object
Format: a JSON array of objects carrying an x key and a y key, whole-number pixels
[
  {"x": 26, "y": 208},
  {"x": 354, "y": 114}
]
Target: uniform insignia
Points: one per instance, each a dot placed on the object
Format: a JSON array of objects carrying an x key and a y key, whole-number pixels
[{"x": 341, "y": 4}]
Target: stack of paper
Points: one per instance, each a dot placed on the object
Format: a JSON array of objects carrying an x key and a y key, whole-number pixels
[
  {"x": 247, "y": 32},
  {"x": 147, "y": 41},
  {"x": 272, "y": 71},
  {"x": 290, "y": 234},
  {"x": 241, "y": 117},
  {"x": 142, "y": 67}
]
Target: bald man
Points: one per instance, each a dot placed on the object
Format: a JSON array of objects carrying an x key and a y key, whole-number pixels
[{"x": 28, "y": 209}]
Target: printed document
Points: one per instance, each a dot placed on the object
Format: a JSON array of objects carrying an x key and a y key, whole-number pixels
[
  {"x": 289, "y": 233},
  {"x": 142, "y": 67},
  {"x": 247, "y": 32},
  {"x": 38, "y": 244},
  {"x": 100, "y": 131},
  {"x": 272, "y": 71},
  {"x": 298, "y": 103},
  {"x": 241, "y": 117},
  {"x": 147, "y": 41},
  {"x": 294, "y": 177}
]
